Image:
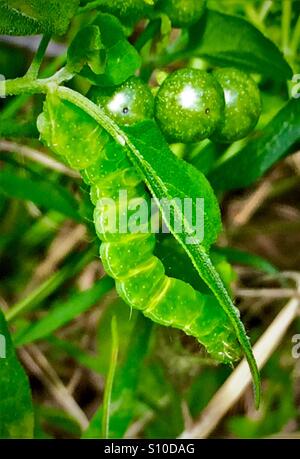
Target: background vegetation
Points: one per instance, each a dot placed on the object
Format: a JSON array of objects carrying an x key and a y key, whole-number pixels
[{"x": 59, "y": 304}]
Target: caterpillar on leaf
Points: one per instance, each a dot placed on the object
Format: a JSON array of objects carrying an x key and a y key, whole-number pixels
[{"x": 129, "y": 257}]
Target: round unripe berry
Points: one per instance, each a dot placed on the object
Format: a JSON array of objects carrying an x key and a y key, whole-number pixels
[
  {"x": 127, "y": 104},
  {"x": 183, "y": 13},
  {"x": 242, "y": 104},
  {"x": 189, "y": 105}
]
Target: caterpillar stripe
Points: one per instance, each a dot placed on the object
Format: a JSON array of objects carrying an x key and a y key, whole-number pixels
[{"x": 129, "y": 258}]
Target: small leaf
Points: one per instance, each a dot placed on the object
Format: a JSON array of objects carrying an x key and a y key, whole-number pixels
[
  {"x": 41, "y": 192},
  {"x": 122, "y": 59},
  {"x": 260, "y": 153},
  {"x": 30, "y": 17},
  {"x": 174, "y": 178},
  {"x": 232, "y": 41},
  {"x": 244, "y": 258},
  {"x": 87, "y": 49},
  {"x": 16, "y": 418},
  {"x": 63, "y": 312}
]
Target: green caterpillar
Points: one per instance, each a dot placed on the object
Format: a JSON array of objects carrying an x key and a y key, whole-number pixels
[{"x": 127, "y": 257}]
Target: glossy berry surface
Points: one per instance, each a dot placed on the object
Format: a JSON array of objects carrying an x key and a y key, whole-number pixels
[
  {"x": 183, "y": 13},
  {"x": 242, "y": 104},
  {"x": 126, "y": 104},
  {"x": 189, "y": 105}
]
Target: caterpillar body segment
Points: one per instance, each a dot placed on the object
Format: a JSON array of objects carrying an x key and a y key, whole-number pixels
[{"x": 129, "y": 257}]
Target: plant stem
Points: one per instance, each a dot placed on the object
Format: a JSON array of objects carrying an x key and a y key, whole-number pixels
[
  {"x": 31, "y": 86},
  {"x": 110, "y": 378},
  {"x": 147, "y": 34},
  {"x": 285, "y": 24},
  {"x": 295, "y": 38},
  {"x": 35, "y": 66},
  {"x": 24, "y": 85}
]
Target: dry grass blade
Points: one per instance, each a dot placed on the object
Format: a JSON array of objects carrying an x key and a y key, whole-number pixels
[
  {"x": 37, "y": 156},
  {"x": 272, "y": 293},
  {"x": 37, "y": 363},
  {"x": 252, "y": 204},
  {"x": 63, "y": 244}
]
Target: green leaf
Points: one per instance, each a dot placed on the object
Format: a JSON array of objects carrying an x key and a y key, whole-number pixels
[
  {"x": 87, "y": 49},
  {"x": 169, "y": 178},
  {"x": 121, "y": 58},
  {"x": 232, "y": 41},
  {"x": 43, "y": 193},
  {"x": 63, "y": 312},
  {"x": 244, "y": 258},
  {"x": 30, "y": 17},
  {"x": 173, "y": 178},
  {"x": 16, "y": 419},
  {"x": 261, "y": 152}
]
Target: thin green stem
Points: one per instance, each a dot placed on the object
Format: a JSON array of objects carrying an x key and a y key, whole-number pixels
[
  {"x": 286, "y": 24},
  {"x": 24, "y": 85},
  {"x": 30, "y": 86},
  {"x": 35, "y": 66},
  {"x": 36, "y": 296},
  {"x": 296, "y": 38},
  {"x": 110, "y": 378},
  {"x": 148, "y": 33}
]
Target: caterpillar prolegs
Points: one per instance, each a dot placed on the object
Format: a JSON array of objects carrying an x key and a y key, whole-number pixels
[{"x": 128, "y": 257}]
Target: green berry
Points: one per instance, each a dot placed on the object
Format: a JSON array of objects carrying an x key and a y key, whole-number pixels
[
  {"x": 183, "y": 13},
  {"x": 189, "y": 106},
  {"x": 242, "y": 104},
  {"x": 126, "y": 104}
]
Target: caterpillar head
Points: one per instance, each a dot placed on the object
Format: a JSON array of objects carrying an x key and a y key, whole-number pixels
[
  {"x": 70, "y": 133},
  {"x": 126, "y": 104}
]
